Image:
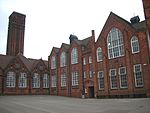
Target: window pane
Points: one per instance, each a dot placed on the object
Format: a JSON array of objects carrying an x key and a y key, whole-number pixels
[
  {"x": 135, "y": 44},
  {"x": 138, "y": 75},
  {"x": 23, "y": 80},
  {"x": 115, "y": 43}
]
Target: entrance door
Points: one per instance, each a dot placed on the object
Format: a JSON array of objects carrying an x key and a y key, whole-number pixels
[{"x": 91, "y": 92}]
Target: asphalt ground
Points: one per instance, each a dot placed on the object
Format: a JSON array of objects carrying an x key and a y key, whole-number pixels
[{"x": 56, "y": 104}]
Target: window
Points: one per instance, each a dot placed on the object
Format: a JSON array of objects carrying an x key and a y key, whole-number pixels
[
  {"x": 84, "y": 74},
  {"x": 63, "y": 80},
  {"x": 90, "y": 59},
  {"x": 63, "y": 59},
  {"x": 135, "y": 44},
  {"x": 138, "y": 75},
  {"x": 84, "y": 61},
  {"x": 75, "y": 80},
  {"x": 45, "y": 81},
  {"x": 123, "y": 77},
  {"x": 53, "y": 81},
  {"x": 74, "y": 56},
  {"x": 101, "y": 80},
  {"x": 91, "y": 74},
  {"x": 11, "y": 79},
  {"x": 115, "y": 43},
  {"x": 36, "y": 80},
  {"x": 113, "y": 79},
  {"x": 23, "y": 80},
  {"x": 99, "y": 54},
  {"x": 53, "y": 62}
]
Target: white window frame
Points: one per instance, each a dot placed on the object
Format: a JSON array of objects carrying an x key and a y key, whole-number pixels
[
  {"x": 63, "y": 59},
  {"x": 137, "y": 74},
  {"x": 36, "y": 80},
  {"x": 22, "y": 80},
  {"x": 84, "y": 61},
  {"x": 113, "y": 77},
  {"x": 11, "y": 79},
  {"x": 63, "y": 80},
  {"x": 99, "y": 54},
  {"x": 45, "y": 80},
  {"x": 74, "y": 56},
  {"x": 135, "y": 45},
  {"x": 123, "y": 77},
  {"x": 75, "y": 78},
  {"x": 84, "y": 74},
  {"x": 53, "y": 82},
  {"x": 90, "y": 59},
  {"x": 115, "y": 43},
  {"x": 91, "y": 74},
  {"x": 100, "y": 78},
  {"x": 53, "y": 62}
]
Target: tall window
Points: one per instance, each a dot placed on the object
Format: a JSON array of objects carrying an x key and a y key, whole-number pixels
[
  {"x": 115, "y": 43},
  {"x": 101, "y": 80},
  {"x": 90, "y": 59},
  {"x": 75, "y": 80},
  {"x": 135, "y": 44},
  {"x": 53, "y": 62},
  {"x": 45, "y": 81},
  {"x": 123, "y": 77},
  {"x": 23, "y": 80},
  {"x": 36, "y": 80},
  {"x": 11, "y": 79},
  {"x": 99, "y": 54},
  {"x": 84, "y": 74},
  {"x": 84, "y": 61},
  {"x": 113, "y": 79},
  {"x": 53, "y": 82},
  {"x": 91, "y": 74},
  {"x": 63, "y": 59},
  {"x": 138, "y": 75},
  {"x": 74, "y": 56},
  {"x": 63, "y": 80}
]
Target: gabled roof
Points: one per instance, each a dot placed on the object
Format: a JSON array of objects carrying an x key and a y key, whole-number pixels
[
  {"x": 137, "y": 26},
  {"x": 4, "y": 60},
  {"x": 66, "y": 46},
  {"x": 56, "y": 49},
  {"x": 140, "y": 26},
  {"x": 83, "y": 42},
  {"x": 28, "y": 62}
]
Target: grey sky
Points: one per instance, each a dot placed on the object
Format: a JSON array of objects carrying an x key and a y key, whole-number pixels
[{"x": 50, "y": 22}]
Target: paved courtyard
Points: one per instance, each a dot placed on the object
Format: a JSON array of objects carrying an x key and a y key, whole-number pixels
[{"x": 55, "y": 104}]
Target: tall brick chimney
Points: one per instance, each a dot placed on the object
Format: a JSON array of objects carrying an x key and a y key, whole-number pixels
[{"x": 15, "y": 38}]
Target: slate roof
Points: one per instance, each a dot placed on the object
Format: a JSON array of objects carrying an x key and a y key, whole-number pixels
[
  {"x": 28, "y": 62},
  {"x": 4, "y": 60}
]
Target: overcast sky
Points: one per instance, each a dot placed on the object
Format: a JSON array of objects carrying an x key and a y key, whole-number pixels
[{"x": 49, "y": 23}]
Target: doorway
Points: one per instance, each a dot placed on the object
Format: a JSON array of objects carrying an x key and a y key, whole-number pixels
[{"x": 91, "y": 92}]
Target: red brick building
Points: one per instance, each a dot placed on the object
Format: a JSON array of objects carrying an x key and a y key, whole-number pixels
[
  {"x": 18, "y": 74},
  {"x": 116, "y": 65}
]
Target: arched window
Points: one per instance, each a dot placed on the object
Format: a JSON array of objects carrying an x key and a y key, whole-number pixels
[
  {"x": 135, "y": 44},
  {"x": 74, "y": 56},
  {"x": 36, "y": 80},
  {"x": 115, "y": 43},
  {"x": 63, "y": 59},
  {"x": 45, "y": 81},
  {"x": 23, "y": 80},
  {"x": 11, "y": 79},
  {"x": 99, "y": 54},
  {"x": 53, "y": 62}
]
